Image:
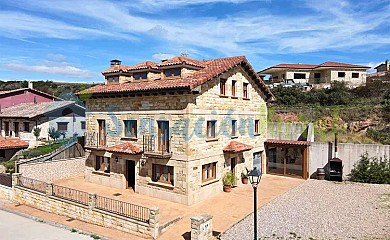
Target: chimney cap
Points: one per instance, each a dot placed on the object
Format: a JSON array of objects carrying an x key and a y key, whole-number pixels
[{"x": 114, "y": 62}]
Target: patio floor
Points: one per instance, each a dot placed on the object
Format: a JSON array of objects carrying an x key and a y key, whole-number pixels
[{"x": 226, "y": 208}]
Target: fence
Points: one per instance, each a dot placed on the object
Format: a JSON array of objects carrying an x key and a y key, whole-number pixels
[
  {"x": 123, "y": 208},
  {"x": 71, "y": 194},
  {"x": 32, "y": 184},
  {"x": 6, "y": 179}
]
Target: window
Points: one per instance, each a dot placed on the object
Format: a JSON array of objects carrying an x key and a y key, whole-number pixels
[
  {"x": 209, "y": 171},
  {"x": 83, "y": 125},
  {"x": 26, "y": 127},
  {"x": 102, "y": 164},
  {"x": 112, "y": 79},
  {"x": 173, "y": 72},
  {"x": 162, "y": 173},
  {"x": 2, "y": 153},
  {"x": 299, "y": 75},
  {"x": 130, "y": 128},
  {"x": 245, "y": 90},
  {"x": 222, "y": 86},
  {"x": 62, "y": 126},
  {"x": 257, "y": 123},
  {"x": 341, "y": 74},
  {"x": 234, "y": 88},
  {"x": 211, "y": 129},
  {"x": 139, "y": 76},
  {"x": 6, "y": 128},
  {"x": 234, "y": 128},
  {"x": 355, "y": 75}
]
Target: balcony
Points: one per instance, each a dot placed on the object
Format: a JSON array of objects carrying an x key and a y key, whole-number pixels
[
  {"x": 156, "y": 146},
  {"x": 95, "y": 140}
]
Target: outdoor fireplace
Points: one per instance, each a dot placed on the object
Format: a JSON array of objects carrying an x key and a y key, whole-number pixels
[{"x": 335, "y": 169}]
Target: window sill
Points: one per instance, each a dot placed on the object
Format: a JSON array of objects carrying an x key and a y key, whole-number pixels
[
  {"x": 257, "y": 134},
  {"x": 101, "y": 173},
  {"x": 246, "y": 99},
  {"x": 208, "y": 182},
  {"x": 223, "y": 96},
  {"x": 129, "y": 138},
  {"x": 233, "y": 137},
  {"x": 234, "y": 97},
  {"x": 211, "y": 139},
  {"x": 163, "y": 185}
]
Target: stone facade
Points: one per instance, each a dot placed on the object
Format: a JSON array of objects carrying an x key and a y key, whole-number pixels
[
  {"x": 202, "y": 227},
  {"x": 187, "y": 114}
]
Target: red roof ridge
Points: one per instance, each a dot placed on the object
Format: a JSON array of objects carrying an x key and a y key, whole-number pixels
[{"x": 181, "y": 60}]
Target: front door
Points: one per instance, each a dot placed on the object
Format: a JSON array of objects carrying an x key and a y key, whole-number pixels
[
  {"x": 233, "y": 163},
  {"x": 16, "y": 124},
  {"x": 163, "y": 136},
  {"x": 130, "y": 174}
]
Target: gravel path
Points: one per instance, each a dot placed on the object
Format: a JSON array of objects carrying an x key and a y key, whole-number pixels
[{"x": 322, "y": 210}]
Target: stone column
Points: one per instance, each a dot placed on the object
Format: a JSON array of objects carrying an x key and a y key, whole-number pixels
[
  {"x": 154, "y": 222},
  {"x": 49, "y": 189},
  {"x": 92, "y": 200},
  {"x": 202, "y": 227},
  {"x": 15, "y": 179}
]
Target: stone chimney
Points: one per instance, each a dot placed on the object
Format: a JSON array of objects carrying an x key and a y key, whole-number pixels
[
  {"x": 115, "y": 62},
  {"x": 387, "y": 63}
]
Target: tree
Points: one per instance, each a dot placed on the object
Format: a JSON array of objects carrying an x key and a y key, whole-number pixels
[
  {"x": 54, "y": 134},
  {"x": 37, "y": 132}
]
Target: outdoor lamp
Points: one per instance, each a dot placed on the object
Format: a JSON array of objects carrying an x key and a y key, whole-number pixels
[
  {"x": 116, "y": 159},
  {"x": 254, "y": 178}
]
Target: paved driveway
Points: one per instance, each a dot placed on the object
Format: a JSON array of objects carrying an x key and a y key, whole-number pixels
[{"x": 15, "y": 227}]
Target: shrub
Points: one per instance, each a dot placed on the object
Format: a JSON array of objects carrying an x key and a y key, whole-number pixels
[
  {"x": 371, "y": 170},
  {"x": 37, "y": 132},
  {"x": 228, "y": 179},
  {"x": 54, "y": 134},
  {"x": 9, "y": 166}
]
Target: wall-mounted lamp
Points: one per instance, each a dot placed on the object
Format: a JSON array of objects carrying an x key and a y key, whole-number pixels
[
  {"x": 143, "y": 162},
  {"x": 116, "y": 159}
]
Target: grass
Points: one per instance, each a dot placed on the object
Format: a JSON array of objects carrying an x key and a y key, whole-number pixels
[{"x": 45, "y": 149}]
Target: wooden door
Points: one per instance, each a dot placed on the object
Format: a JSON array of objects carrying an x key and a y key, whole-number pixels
[
  {"x": 131, "y": 174},
  {"x": 163, "y": 136},
  {"x": 6, "y": 128},
  {"x": 233, "y": 163},
  {"x": 16, "y": 124},
  {"x": 102, "y": 133}
]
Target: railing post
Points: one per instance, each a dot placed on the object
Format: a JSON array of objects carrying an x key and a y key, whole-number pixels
[
  {"x": 92, "y": 200},
  {"x": 154, "y": 221},
  {"x": 15, "y": 179},
  {"x": 49, "y": 189}
]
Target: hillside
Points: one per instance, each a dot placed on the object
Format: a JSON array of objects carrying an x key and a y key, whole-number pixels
[{"x": 360, "y": 115}]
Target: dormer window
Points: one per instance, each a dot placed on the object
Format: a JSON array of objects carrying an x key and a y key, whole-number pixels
[
  {"x": 140, "y": 76},
  {"x": 172, "y": 72}
]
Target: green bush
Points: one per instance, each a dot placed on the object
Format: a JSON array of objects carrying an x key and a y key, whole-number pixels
[
  {"x": 228, "y": 179},
  {"x": 9, "y": 166},
  {"x": 371, "y": 170}
]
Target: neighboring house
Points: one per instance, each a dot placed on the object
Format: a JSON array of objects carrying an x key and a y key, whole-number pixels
[
  {"x": 382, "y": 74},
  {"x": 171, "y": 130},
  {"x": 9, "y": 146},
  {"x": 24, "y": 95},
  {"x": 317, "y": 75},
  {"x": 20, "y": 120}
]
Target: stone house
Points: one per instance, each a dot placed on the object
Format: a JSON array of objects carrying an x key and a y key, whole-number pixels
[
  {"x": 318, "y": 75},
  {"x": 173, "y": 129}
]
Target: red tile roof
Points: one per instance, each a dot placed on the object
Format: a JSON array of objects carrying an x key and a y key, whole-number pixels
[
  {"x": 212, "y": 68},
  {"x": 298, "y": 66},
  {"x": 143, "y": 65},
  {"x": 125, "y": 148},
  {"x": 181, "y": 60},
  {"x": 116, "y": 68},
  {"x": 343, "y": 65},
  {"x": 12, "y": 143},
  {"x": 234, "y": 146},
  {"x": 288, "y": 142}
]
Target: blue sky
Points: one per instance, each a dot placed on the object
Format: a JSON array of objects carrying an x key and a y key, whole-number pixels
[{"x": 74, "y": 40}]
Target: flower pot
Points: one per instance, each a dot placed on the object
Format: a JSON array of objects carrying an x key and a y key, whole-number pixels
[
  {"x": 244, "y": 180},
  {"x": 227, "y": 188}
]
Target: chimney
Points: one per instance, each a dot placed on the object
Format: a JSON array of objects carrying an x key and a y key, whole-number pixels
[
  {"x": 30, "y": 85},
  {"x": 387, "y": 65},
  {"x": 115, "y": 62}
]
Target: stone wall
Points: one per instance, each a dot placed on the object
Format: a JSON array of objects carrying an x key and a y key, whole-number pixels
[
  {"x": 49, "y": 203},
  {"x": 320, "y": 153},
  {"x": 290, "y": 131},
  {"x": 53, "y": 170}
]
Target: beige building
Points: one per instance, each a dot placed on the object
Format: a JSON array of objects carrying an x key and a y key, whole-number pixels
[
  {"x": 172, "y": 129},
  {"x": 318, "y": 75}
]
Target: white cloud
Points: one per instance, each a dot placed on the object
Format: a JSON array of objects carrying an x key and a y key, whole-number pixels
[{"x": 61, "y": 69}]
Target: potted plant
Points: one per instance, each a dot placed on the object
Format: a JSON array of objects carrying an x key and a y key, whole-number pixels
[
  {"x": 228, "y": 181},
  {"x": 244, "y": 177}
]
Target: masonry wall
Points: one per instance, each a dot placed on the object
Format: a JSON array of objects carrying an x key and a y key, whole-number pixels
[
  {"x": 350, "y": 153},
  {"x": 53, "y": 170}
]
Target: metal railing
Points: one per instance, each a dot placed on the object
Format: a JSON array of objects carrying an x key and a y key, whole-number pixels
[
  {"x": 93, "y": 139},
  {"x": 71, "y": 194},
  {"x": 150, "y": 147},
  {"x": 6, "y": 179},
  {"x": 32, "y": 184},
  {"x": 129, "y": 210}
]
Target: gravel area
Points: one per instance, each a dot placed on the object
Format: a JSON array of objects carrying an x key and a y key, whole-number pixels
[{"x": 322, "y": 210}]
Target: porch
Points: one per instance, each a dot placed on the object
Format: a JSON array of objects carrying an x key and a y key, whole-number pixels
[{"x": 240, "y": 199}]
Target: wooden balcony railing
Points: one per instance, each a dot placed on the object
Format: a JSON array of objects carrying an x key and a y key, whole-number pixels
[
  {"x": 154, "y": 148},
  {"x": 95, "y": 140}
]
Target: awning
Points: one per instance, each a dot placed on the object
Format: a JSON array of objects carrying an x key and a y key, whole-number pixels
[
  {"x": 234, "y": 146},
  {"x": 288, "y": 142},
  {"x": 128, "y": 148}
]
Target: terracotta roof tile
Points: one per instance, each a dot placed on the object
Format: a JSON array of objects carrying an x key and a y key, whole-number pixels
[
  {"x": 288, "y": 142},
  {"x": 235, "y": 146},
  {"x": 298, "y": 66},
  {"x": 125, "y": 148},
  {"x": 181, "y": 60},
  {"x": 12, "y": 143},
  {"x": 30, "y": 110},
  {"x": 116, "y": 68},
  {"x": 211, "y": 68},
  {"x": 314, "y": 66},
  {"x": 337, "y": 64},
  {"x": 143, "y": 65}
]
